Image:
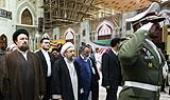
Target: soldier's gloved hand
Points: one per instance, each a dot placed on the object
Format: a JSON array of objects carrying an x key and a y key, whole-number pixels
[{"x": 146, "y": 27}]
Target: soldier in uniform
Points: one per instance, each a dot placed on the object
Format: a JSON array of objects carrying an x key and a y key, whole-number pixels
[{"x": 141, "y": 61}]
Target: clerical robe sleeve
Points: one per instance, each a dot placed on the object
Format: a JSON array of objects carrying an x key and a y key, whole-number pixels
[
  {"x": 42, "y": 88},
  {"x": 56, "y": 90}
]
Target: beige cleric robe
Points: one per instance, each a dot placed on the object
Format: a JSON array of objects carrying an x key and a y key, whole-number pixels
[{"x": 26, "y": 79}]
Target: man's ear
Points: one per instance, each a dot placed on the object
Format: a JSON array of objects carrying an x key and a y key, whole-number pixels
[
  {"x": 15, "y": 41},
  {"x": 64, "y": 54}
]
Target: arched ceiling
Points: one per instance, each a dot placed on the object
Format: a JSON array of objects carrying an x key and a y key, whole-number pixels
[
  {"x": 130, "y": 5},
  {"x": 67, "y": 11},
  {"x": 59, "y": 12},
  {"x": 126, "y": 5}
]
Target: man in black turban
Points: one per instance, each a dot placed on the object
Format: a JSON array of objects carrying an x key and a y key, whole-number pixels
[
  {"x": 22, "y": 45},
  {"x": 18, "y": 32},
  {"x": 24, "y": 70}
]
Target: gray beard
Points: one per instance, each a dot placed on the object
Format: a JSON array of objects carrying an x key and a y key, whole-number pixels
[{"x": 71, "y": 59}]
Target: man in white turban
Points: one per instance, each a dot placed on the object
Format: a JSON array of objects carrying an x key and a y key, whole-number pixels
[
  {"x": 66, "y": 46},
  {"x": 66, "y": 75}
]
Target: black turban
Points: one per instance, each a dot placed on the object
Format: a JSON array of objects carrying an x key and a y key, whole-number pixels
[{"x": 18, "y": 32}]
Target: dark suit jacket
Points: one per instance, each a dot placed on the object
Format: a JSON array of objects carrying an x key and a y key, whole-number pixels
[
  {"x": 110, "y": 69},
  {"x": 95, "y": 79},
  {"x": 95, "y": 76},
  {"x": 43, "y": 61}
]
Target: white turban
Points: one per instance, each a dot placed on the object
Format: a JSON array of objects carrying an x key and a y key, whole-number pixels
[{"x": 65, "y": 47}]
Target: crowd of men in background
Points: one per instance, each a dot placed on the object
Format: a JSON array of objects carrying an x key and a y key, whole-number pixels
[{"x": 46, "y": 75}]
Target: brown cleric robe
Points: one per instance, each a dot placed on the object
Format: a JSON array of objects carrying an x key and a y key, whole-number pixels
[
  {"x": 26, "y": 79},
  {"x": 2, "y": 73}
]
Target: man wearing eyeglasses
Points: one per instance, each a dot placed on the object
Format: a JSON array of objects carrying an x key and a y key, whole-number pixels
[{"x": 46, "y": 61}]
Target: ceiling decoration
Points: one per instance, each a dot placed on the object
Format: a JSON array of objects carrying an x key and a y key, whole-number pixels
[
  {"x": 166, "y": 4},
  {"x": 128, "y": 5},
  {"x": 61, "y": 12}
]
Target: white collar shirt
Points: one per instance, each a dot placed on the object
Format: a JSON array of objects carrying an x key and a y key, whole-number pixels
[
  {"x": 73, "y": 76},
  {"x": 24, "y": 54},
  {"x": 47, "y": 58}
]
